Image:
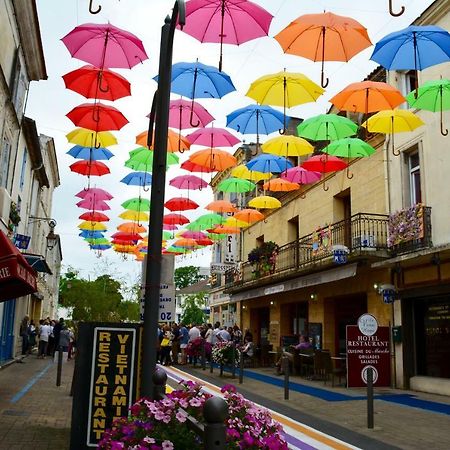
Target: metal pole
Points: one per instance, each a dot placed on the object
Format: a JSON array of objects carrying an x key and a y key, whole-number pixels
[
  {"x": 285, "y": 365},
  {"x": 153, "y": 264},
  {"x": 59, "y": 368},
  {"x": 241, "y": 368},
  {"x": 369, "y": 397}
]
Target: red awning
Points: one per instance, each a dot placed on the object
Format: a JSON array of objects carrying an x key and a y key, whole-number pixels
[{"x": 17, "y": 277}]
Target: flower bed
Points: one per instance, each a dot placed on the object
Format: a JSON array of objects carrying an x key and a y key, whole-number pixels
[
  {"x": 222, "y": 353},
  {"x": 406, "y": 225},
  {"x": 161, "y": 425}
]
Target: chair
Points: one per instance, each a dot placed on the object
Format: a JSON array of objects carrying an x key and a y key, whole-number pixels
[
  {"x": 330, "y": 369},
  {"x": 306, "y": 362}
]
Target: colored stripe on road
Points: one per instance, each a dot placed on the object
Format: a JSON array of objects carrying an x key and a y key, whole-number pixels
[{"x": 30, "y": 384}]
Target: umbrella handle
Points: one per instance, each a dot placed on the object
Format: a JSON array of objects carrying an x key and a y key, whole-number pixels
[
  {"x": 323, "y": 80},
  {"x": 91, "y": 10},
  {"x": 191, "y": 118},
  {"x": 349, "y": 175},
  {"x": 325, "y": 188},
  {"x": 303, "y": 195},
  {"x": 444, "y": 131},
  {"x": 100, "y": 78},
  {"x": 395, "y": 14}
]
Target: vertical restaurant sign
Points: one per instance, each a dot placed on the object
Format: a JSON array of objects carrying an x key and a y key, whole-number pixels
[{"x": 111, "y": 381}]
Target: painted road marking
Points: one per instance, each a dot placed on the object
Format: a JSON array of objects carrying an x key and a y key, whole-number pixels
[{"x": 30, "y": 384}]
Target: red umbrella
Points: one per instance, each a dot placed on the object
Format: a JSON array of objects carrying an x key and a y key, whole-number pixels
[
  {"x": 123, "y": 242},
  {"x": 94, "y": 216},
  {"x": 204, "y": 241},
  {"x": 175, "y": 219},
  {"x": 104, "y": 45},
  {"x": 180, "y": 204},
  {"x": 126, "y": 236},
  {"x": 89, "y": 168},
  {"x": 101, "y": 84},
  {"x": 324, "y": 164},
  {"x": 192, "y": 167},
  {"x": 98, "y": 117}
]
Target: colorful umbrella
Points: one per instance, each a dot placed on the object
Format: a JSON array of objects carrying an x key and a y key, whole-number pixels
[
  {"x": 101, "y": 84},
  {"x": 175, "y": 141},
  {"x": 193, "y": 234},
  {"x": 391, "y": 122},
  {"x": 104, "y": 45},
  {"x": 126, "y": 236},
  {"x": 204, "y": 241},
  {"x": 131, "y": 227},
  {"x": 142, "y": 159},
  {"x": 237, "y": 185},
  {"x": 91, "y": 153},
  {"x": 434, "y": 95},
  {"x": 269, "y": 163},
  {"x": 180, "y": 114},
  {"x": 324, "y": 164},
  {"x": 98, "y": 117},
  {"x": 175, "y": 219},
  {"x": 180, "y": 204},
  {"x": 216, "y": 237},
  {"x": 188, "y": 182},
  {"x": 249, "y": 215},
  {"x": 233, "y": 222},
  {"x": 137, "y": 204},
  {"x": 284, "y": 89},
  {"x": 265, "y": 202},
  {"x": 327, "y": 127},
  {"x": 89, "y": 138},
  {"x": 280, "y": 185},
  {"x": 287, "y": 146},
  {"x": 92, "y": 226},
  {"x": 170, "y": 227},
  {"x": 185, "y": 242},
  {"x": 222, "y": 229},
  {"x": 94, "y": 216},
  {"x": 136, "y": 216},
  {"x": 324, "y": 37},
  {"x": 97, "y": 241},
  {"x": 98, "y": 193},
  {"x": 300, "y": 175},
  {"x": 89, "y": 168},
  {"x": 192, "y": 167},
  {"x": 142, "y": 179},
  {"x": 100, "y": 247},
  {"x": 221, "y": 206},
  {"x": 213, "y": 159},
  {"x": 241, "y": 171},
  {"x": 213, "y": 137},
  {"x": 93, "y": 205},
  {"x": 91, "y": 234},
  {"x": 226, "y": 22}
]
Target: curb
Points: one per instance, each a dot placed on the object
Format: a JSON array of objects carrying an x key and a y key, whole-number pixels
[{"x": 18, "y": 359}]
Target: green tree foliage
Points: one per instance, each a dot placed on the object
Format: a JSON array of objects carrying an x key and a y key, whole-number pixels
[
  {"x": 187, "y": 276},
  {"x": 97, "y": 300},
  {"x": 193, "y": 309}
]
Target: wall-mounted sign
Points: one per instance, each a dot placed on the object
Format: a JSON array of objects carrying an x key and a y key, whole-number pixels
[
  {"x": 221, "y": 268},
  {"x": 21, "y": 241}
]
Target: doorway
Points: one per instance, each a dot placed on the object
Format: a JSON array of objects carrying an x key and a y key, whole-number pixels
[
  {"x": 343, "y": 212},
  {"x": 7, "y": 330}
]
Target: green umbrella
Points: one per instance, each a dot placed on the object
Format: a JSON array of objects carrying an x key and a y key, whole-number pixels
[
  {"x": 167, "y": 235},
  {"x": 235, "y": 185},
  {"x": 205, "y": 222},
  {"x": 327, "y": 127},
  {"x": 97, "y": 241},
  {"x": 217, "y": 237},
  {"x": 137, "y": 204},
  {"x": 142, "y": 159},
  {"x": 349, "y": 148},
  {"x": 434, "y": 95},
  {"x": 195, "y": 226}
]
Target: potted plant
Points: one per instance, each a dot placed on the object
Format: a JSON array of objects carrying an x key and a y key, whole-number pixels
[
  {"x": 14, "y": 216},
  {"x": 263, "y": 258}
]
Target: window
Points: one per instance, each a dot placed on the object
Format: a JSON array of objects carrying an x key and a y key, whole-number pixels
[
  {"x": 414, "y": 177},
  {"x": 407, "y": 83},
  {"x": 22, "y": 170},
  {"x": 4, "y": 160}
]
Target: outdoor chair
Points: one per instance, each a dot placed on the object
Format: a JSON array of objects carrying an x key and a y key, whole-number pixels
[{"x": 332, "y": 370}]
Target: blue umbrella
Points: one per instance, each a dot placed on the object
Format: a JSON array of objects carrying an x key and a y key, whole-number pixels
[
  {"x": 92, "y": 154},
  {"x": 413, "y": 48},
  {"x": 269, "y": 163},
  {"x": 91, "y": 234},
  {"x": 100, "y": 247},
  {"x": 137, "y": 179}
]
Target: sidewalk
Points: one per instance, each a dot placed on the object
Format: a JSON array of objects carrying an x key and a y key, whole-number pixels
[{"x": 34, "y": 412}]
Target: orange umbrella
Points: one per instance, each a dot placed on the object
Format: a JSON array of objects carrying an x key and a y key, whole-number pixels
[
  {"x": 185, "y": 242},
  {"x": 324, "y": 37},
  {"x": 214, "y": 159},
  {"x": 131, "y": 227},
  {"x": 222, "y": 229},
  {"x": 368, "y": 96},
  {"x": 221, "y": 206},
  {"x": 249, "y": 215},
  {"x": 175, "y": 141},
  {"x": 280, "y": 185}
]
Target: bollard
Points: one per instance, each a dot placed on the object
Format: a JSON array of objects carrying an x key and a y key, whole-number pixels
[
  {"x": 285, "y": 365},
  {"x": 59, "y": 368},
  {"x": 233, "y": 361},
  {"x": 159, "y": 384},
  {"x": 369, "y": 397},
  {"x": 203, "y": 355},
  {"x": 241, "y": 368},
  {"x": 215, "y": 412}
]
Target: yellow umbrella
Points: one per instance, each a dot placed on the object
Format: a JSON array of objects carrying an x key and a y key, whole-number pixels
[
  {"x": 232, "y": 222},
  {"x": 280, "y": 185},
  {"x": 242, "y": 171},
  {"x": 92, "y": 226},
  {"x": 264, "y": 202},
  {"x": 89, "y": 138},
  {"x": 287, "y": 146},
  {"x": 393, "y": 121},
  {"x": 135, "y": 216},
  {"x": 124, "y": 248}
]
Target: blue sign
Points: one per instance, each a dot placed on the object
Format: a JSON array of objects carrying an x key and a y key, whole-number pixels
[
  {"x": 388, "y": 295},
  {"x": 340, "y": 256},
  {"x": 21, "y": 241}
]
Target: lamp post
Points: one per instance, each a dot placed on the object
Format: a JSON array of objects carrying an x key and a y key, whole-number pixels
[
  {"x": 52, "y": 238},
  {"x": 160, "y": 111}
]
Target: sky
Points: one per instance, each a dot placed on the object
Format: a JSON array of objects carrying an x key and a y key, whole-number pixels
[{"x": 49, "y": 101}]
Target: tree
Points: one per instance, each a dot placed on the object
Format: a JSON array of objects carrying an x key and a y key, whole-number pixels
[
  {"x": 187, "y": 276},
  {"x": 193, "y": 306}
]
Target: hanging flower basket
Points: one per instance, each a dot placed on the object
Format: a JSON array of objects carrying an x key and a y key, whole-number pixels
[
  {"x": 263, "y": 259},
  {"x": 406, "y": 225},
  {"x": 222, "y": 353}
]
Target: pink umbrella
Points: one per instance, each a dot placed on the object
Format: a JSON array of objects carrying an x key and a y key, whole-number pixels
[
  {"x": 213, "y": 137},
  {"x": 105, "y": 46},
  {"x": 100, "y": 194},
  {"x": 93, "y": 204},
  {"x": 169, "y": 227},
  {"x": 300, "y": 175},
  {"x": 193, "y": 235},
  {"x": 183, "y": 112},
  {"x": 188, "y": 182},
  {"x": 226, "y": 21}
]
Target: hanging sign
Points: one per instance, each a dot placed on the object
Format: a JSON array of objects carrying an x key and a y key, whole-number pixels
[{"x": 21, "y": 241}]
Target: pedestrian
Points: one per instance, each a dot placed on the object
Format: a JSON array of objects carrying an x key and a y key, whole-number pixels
[
  {"x": 64, "y": 339},
  {"x": 175, "y": 343},
  {"x": 24, "y": 330},
  {"x": 51, "y": 339},
  {"x": 32, "y": 333},
  {"x": 303, "y": 344},
  {"x": 72, "y": 344},
  {"x": 56, "y": 331},
  {"x": 184, "y": 340},
  {"x": 237, "y": 334},
  {"x": 209, "y": 334},
  {"x": 166, "y": 346},
  {"x": 44, "y": 335}
]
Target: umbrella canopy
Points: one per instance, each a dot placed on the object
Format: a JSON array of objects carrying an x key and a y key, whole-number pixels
[
  {"x": 101, "y": 84},
  {"x": 94, "y": 216},
  {"x": 433, "y": 95},
  {"x": 185, "y": 242},
  {"x": 137, "y": 179},
  {"x": 137, "y": 204},
  {"x": 327, "y": 127},
  {"x": 233, "y": 222},
  {"x": 100, "y": 247},
  {"x": 141, "y": 159},
  {"x": 269, "y": 163},
  {"x": 223, "y": 229},
  {"x": 226, "y": 21},
  {"x": 204, "y": 241},
  {"x": 175, "y": 219},
  {"x": 393, "y": 121},
  {"x": 93, "y": 205},
  {"x": 213, "y": 159},
  {"x": 367, "y": 96},
  {"x": 237, "y": 185},
  {"x": 97, "y": 241},
  {"x": 216, "y": 236},
  {"x": 249, "y": 215},
  {"x": 280, "y": 185},
  {"x": 287, "y": 146},
  {"x": 175, "y": 141},
  {"x": 192, "y": 167},
  {"x": 241, "y": 171},
  {"x": 89, "y": 168},
  {"x": 98, "y": 117},
  {"x": 92, "y": 226},
  {"x": 324, "y": 164},
  {"x": 193, "y": 234},
  {"x": 265, "y": 202},
  {"x": 91, "y": 153},
  {"x": 180, "y": 114},
  {"x": 324, "y": 37},
  {"x": 170, "y": 227},
  {"x": 136, "y": 216},
  {"x": 221, "y": 206},
  {"x": 180, "y": 204},
  {"x": 89, "y": 138},
  {"x": 188, "y": 182},
  {"x": 91, "y": 234},
  {"x": 98, "y": 193},
  {"x": 131, "y": 227},
  {"x": 104, "y": 45},
  {"x": 213, "y": 137},
  {"x": 300, "y": 175},
  {"x": 126, "y": 236}
]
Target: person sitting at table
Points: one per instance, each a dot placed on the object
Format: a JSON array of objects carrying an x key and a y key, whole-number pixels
[
  {"x": 249, "y": 348},
  {"x": 303, "y": 344}
]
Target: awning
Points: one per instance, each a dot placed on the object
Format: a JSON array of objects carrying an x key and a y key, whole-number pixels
[
  {"x": 38, "y": 263},
  {"x": 17, "y": 277},
  {"x": 314, "y": 279}
]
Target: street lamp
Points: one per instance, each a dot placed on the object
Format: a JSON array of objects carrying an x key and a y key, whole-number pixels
[{"x": 52, "y": 238}]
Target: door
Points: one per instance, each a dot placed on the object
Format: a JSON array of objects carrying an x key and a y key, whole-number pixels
[{"x": 7, "y": 330}]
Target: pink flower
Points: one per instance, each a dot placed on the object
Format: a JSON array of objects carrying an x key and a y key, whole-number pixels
[
  {"x": 181, "y": 417},
  {"x": 167, "y": 445},
  {"x": 148, "y": 440}
]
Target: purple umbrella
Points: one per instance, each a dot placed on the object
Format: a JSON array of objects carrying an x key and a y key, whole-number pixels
[
  {"x": 213, "y": 137},
  {"x": 188, "y": 182}
]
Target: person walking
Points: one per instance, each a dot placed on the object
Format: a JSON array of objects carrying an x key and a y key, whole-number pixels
[
  {"x": 166, "y": 346},
  {"x": 32, "y": 333},
  {"x": 24, "y": 333},
  {"x": 184, "y": 340},
  {"x": 44, "y": 335}
]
